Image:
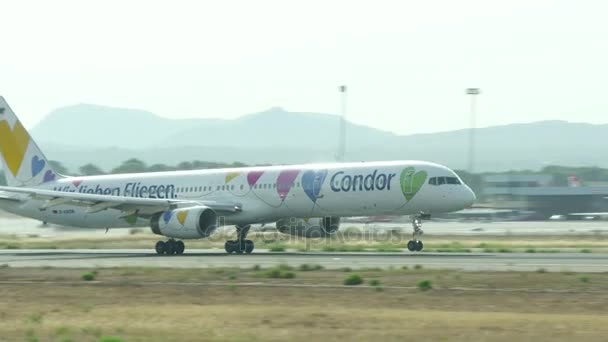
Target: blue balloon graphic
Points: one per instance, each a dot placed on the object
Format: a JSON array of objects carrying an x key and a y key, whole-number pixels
[{"x": 312, "y": 181}]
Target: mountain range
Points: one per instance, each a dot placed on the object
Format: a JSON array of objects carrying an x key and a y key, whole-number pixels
[{"x": 106, "y": 136}]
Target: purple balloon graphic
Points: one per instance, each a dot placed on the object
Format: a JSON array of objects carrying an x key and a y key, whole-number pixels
[
  {"x": 49, "y": 176},
  {"x": 312, "y": 181},
  {"x": 253, "y": 176}
]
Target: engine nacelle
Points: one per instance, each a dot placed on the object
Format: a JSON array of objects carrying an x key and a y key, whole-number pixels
[
  {"x": 310, "y": 228},
  {"x": 187, "y": 223}
]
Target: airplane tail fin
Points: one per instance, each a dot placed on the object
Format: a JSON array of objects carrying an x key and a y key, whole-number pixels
[{"x": 22, "y": 161}]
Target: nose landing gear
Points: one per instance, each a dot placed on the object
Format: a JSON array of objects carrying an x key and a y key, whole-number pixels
[{"x": 415, "y": 245}]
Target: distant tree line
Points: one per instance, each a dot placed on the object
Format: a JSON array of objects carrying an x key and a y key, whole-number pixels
[{"x": 134, "y": 165}]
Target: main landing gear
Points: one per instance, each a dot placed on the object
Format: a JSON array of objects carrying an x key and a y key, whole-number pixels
[
  {"x": 170, "y": 247},
  {"x": 240, "y": 245},
  {"x": 416, "y": 245}
]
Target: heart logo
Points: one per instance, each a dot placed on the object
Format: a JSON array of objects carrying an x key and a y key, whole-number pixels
[
  {"x": 253, "y": 176},
  {"x": 285, "y": 182},
  {"x": 411, "y": 181},
  {"x": 76, "y": 182},
  {"x": 182, "y": 216},
  {"x": 37, "y": 165},
  {"x": 231, "y": 175},
  {"x": 13, "y": 144},
  {"x": 167, "y": 216},
  {"x": 49, "y": 176},
  {"x": 312, "y": 181}
]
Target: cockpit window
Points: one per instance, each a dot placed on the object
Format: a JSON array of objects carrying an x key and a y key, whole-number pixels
[
  {"x": 453, "y": 180},
  {"x": 444, "y": 180}
]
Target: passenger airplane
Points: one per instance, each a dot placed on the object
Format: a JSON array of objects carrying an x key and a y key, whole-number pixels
[{"x": 305, "y": 200}]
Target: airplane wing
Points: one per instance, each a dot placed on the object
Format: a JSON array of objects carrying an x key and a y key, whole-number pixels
[{"x": 129, "y": 205}]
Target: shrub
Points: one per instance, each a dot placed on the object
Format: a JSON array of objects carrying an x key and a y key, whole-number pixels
[
  {"x": 277, "y": 248},
  {"x": 584, "y": 279},
  {"x": 110, "y": 339},
  {"x": 273, "y": 273},
  {"x": 417, "y": 267},
  {"x": 541, "y": 270},
  {"x": 288, "y": 275},
  {"x": 425, "y": 285},
  {"x": 88, "y": 276},
  {"x": 585, "y": 250},
  {"x": 310, "y": 267},
  {"x": 256, "y": 267},
  {"x": 278, "y": 273},
  {"x": 405, "y": 268},
  {"x": 346, "y": 269},
  {"x": 374, "y": 282},
  {"x": 353, "y": 279},
  {"x": 285, "y": 267}
]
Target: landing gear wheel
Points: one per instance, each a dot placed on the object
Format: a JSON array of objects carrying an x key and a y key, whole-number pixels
[
  {"x": 170, "y": 247},
  {"x": 160, "y": 247},
  {"x": 411, "y": 246},
  {"x": 240, "y": 245},
  {"x": 249, "y": 246},
  {"x": 230, "y": 246},
  {"x": 179, "y": 247},
  {"x": 419, "y": 246}
]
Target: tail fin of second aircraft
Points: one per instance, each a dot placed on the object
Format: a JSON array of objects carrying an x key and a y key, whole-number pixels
[{"x": 23, "y": 162}]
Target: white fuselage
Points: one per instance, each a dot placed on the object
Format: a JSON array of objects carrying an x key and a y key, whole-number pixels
[{"x": 266, "y": 194}]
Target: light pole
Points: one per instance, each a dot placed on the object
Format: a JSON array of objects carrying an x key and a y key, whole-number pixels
[
  {"x": 342, "y": 137},
  {"x": 472, "y": 92}
]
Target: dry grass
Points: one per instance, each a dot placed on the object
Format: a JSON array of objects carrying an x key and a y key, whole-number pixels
[{"x": 139, "y": 304}]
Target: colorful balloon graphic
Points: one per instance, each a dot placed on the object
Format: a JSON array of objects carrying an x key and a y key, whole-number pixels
[
  {"x": 312, "y": 181},
  {"x": 253, "y": 176},
  {"x": 285, "y": 182},
  {"x": 37, "y": 165}
]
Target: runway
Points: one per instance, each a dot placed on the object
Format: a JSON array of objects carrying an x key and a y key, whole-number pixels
[{"x": 79, "y": 258}]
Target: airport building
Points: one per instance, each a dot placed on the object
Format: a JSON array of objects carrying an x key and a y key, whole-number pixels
[{"x": 536, "y": 195}]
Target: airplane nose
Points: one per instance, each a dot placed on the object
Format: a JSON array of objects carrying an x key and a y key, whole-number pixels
[{"x": 471, "y": 198}]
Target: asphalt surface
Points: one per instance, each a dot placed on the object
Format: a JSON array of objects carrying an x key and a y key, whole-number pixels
[
  {"x": 22, "y": 227},
  {"x": 74, "y": 258}
]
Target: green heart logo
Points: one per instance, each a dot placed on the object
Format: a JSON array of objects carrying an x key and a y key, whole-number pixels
[{"x": 411, "y": 181}]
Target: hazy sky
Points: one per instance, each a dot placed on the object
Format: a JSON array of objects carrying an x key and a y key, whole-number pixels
[{"x": 406, "y": 63}]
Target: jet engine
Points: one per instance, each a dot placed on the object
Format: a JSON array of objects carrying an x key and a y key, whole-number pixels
[
  {"x": 310, "y": 228},
  {"x": 185, "y": 223}
]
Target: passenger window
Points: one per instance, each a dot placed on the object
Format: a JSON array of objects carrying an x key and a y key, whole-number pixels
[
  {"x": 232, "y": 187},
  {"x": 218, "y": 188},
  {"x": 241, "y": 186}
]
